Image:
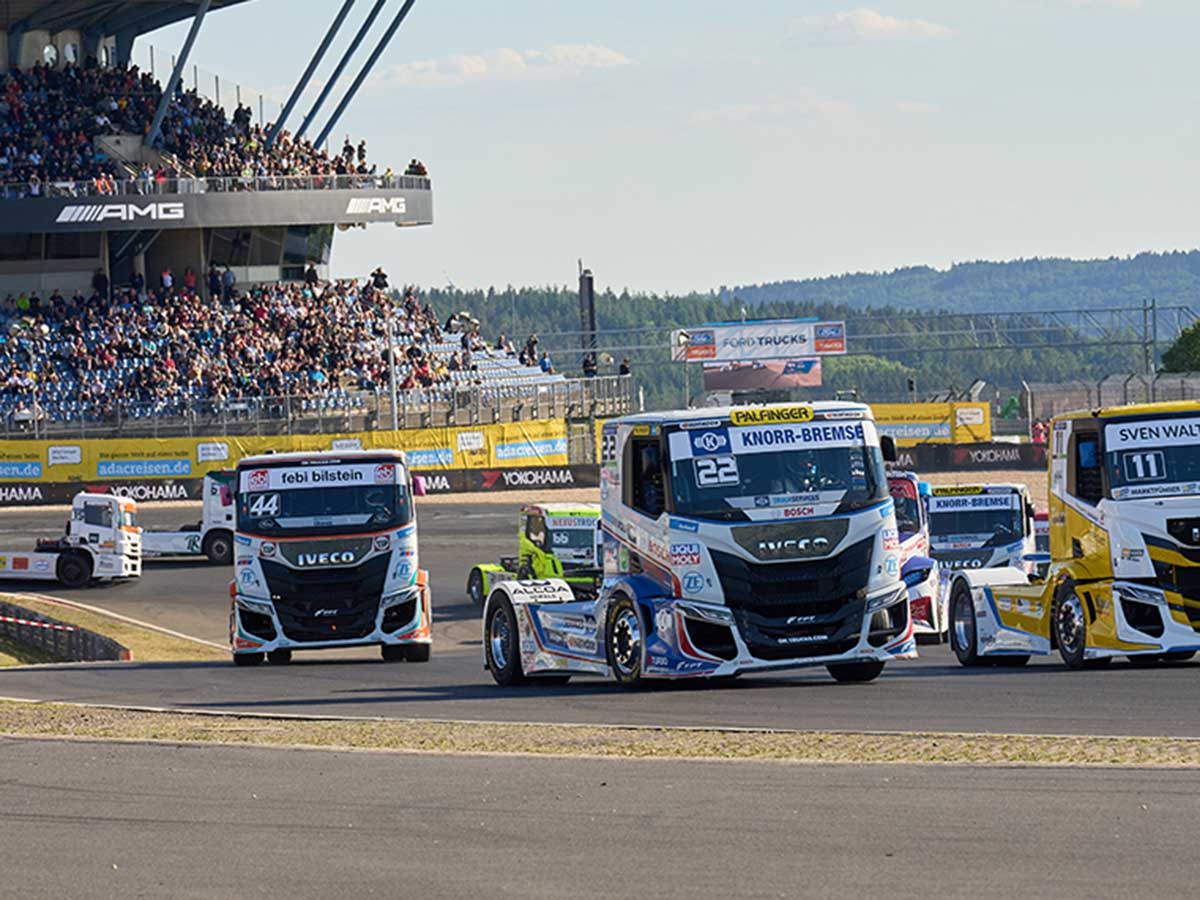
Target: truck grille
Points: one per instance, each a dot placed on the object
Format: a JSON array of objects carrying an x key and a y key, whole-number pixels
[
  {"x": 796, "y": 610},
  {"x": 327, "y": 604}
]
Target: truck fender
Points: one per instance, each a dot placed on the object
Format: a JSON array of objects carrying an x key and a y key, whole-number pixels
[
  {"x": 526, "y": 593},
  {"x": 1001, "y": 576}
]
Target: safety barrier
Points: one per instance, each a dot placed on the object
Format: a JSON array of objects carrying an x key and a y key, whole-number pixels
[{"x": 58, "y": 639}]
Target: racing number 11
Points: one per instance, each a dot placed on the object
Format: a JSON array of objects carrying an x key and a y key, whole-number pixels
[{"x": 1144, "y": 466}]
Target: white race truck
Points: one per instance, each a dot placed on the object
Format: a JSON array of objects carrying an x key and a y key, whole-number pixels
[
  {"x": 738, "y": 539},
  {"x": 327, "y": 557},
  {"x": 212, "y": 536},
  {"x": 102, "y": 543}
]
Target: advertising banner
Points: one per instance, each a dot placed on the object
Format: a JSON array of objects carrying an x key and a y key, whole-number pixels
[
  {"x": 784, "y": 339},
  {"x": 516, "y": 444},
  {"x": 934, "y": 423}
]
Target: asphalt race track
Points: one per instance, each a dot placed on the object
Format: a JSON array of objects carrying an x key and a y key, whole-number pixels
[
  {"x": 154, "y": 821},
  {"x": 931, "y": 694}
]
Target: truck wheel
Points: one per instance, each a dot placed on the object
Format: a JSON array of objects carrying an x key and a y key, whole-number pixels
[
  {"x": 524, "y": 573},
  {"x": 218, "y": 547},
  {"x": 1178, "y": 656},
  {"x": 964, "y": 639},
  {"x": 392, "y": 652},
  {"x": 475, "y": 587},
  {"x": 1069, "y": 621},
  {"x": 279, "y": 657},
  {"x": 241, "y": 660},
  {"x": 74, "y": 570},
  {"x": 855, "y": 673},
  {"x": 417, "y": 652},
  {"x": 502, "y": 649},
  {"x": 623, "y": 641}
]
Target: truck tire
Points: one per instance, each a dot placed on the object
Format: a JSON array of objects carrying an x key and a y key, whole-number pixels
[
  {"x": 279, "y": 657},
  {"x": 475, "y": 587},
  {"x": 74, "y": 569},
  {"x": 417, "y": 652},
  {"x": 855, "y": 673},
  {"x": 218, "y": 547},
  {"x": 1178, "y": 656},
  {"x": 623, "y": 641},
  {"x": 964, "y": 637},
  {"x": 392, "y": 652},
  {"x": 502, "y": 644},
  {"x": 1068, "y": 620},
  {"x": 245, "y": 660}
]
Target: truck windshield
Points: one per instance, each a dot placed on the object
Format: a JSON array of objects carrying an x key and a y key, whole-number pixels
[
  {"x": 572, "y": 539},
  {"x": 819, "y": 468},
  {"x": 1153, "y": 458},
  {"x": 995, "y": 525},
  {"x": 322, "y": 499}
]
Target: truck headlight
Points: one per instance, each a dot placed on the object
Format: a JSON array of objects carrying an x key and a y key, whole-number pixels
[
  {"x": 262, "y": 607},
  {"x": 886, "y": 599},
  {"x": 1141, "y": 594}
]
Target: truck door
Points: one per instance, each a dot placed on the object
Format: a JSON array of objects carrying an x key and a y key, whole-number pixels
[
  {"x": 646, "y": 484},
  {"x": 97, "y": 521},
  {"x": 1085, "y": 539}
]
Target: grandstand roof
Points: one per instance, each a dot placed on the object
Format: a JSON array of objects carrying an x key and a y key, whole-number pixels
[{"x": 109, "y": 16}]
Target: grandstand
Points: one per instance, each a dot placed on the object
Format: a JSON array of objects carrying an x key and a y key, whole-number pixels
[{"x": 164, "y": 261}]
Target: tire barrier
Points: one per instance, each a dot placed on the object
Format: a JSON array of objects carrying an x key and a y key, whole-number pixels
[{"x": 58, "y": 639}]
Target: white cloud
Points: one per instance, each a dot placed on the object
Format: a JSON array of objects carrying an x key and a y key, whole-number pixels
[
  {"x": 860, "y": 25},
  {"x": 503, "y": 62},
  {"x": 916, "y": 107},
  {"x": 805, "y": 104}
]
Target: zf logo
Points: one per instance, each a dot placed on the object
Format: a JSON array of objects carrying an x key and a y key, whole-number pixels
[{"x": 122, "y": 212}]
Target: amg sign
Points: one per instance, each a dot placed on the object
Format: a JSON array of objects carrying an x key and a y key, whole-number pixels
[
  {"x": 121, "y": 212},
  {"x": 365, "y": 206}
]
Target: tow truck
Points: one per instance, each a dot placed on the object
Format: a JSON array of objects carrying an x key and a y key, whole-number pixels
[
  {"x": 735, "y": 539},
  {"x": 554, "y": 540},
  {"x": 212, "y": 536},
  {"x": 326, "y": 556},
  {"x": 102, "y": 542},
  {"x": 1123, "y": 574},
  {"x": 918, "y": 569}
]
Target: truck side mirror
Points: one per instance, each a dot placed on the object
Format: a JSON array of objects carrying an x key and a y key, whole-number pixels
[
  {"x": 888, "y": 445},
  {"x": 418, "y": 485}
]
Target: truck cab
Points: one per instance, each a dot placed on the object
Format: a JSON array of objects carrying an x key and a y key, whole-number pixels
[
  {"x": 554, "y": 540},
  {"x": 326, "y": 556},
  {"x": 102, "y": 542},
  {"x": 918, "y": 569},
  {"x": 981, "y": 526},
  {"x": 212, "y": 536},
  {"x": 1124, "y": 572},
  {"x": 736, "y": 539}
]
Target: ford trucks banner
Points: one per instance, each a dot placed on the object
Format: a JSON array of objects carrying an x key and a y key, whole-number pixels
[{"x": 775, "y": 339}]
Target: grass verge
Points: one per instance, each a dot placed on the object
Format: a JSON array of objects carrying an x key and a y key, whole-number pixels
[
  {"x": 60, "y": 720},
  {"x": 147, "y": 644},
  {"x": 14, "y": 654}
]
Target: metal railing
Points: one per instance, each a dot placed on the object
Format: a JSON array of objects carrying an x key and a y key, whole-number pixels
[
  {"x": 216, "y": 185},
  {"x": 333, "y": 411},
  {"x": 56, "y": 638}
]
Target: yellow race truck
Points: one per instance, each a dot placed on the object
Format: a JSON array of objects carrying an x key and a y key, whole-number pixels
[{"x": 1123, "y": 574}]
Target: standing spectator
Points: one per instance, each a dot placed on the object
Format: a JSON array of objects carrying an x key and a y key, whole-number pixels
[
  {"x": 547, "y": 364},
  {"x": 1038, "y": 433},
  {"x": 189, "y": 279},
  {"x": 379, "y": 279},
  {"x": 228, "y": 283},
  {"x": 137, "y": 281},
  {"x": 311, "y": 278},
  {"x": 624, "y": 370},
  {"x": 168, "y": 279},
  {"x": 100, "y": 283},
  {"x": 589, "y": 365},
  {"x": 214, "y": 283}
]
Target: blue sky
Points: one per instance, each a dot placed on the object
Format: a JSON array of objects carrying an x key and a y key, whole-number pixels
[{"x": 685, "y": 145}]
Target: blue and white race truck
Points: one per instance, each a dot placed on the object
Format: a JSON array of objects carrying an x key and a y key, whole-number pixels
[{"x": 735, "y": 540}]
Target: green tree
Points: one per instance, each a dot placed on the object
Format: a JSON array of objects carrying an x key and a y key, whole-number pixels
[{"x": 1184, "y": 354}]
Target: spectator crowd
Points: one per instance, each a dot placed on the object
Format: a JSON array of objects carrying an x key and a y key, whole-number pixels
[{"x": 50, "y": 117}]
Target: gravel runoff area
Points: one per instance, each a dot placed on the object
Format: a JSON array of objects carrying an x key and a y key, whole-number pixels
[{"x": 99, "y": 723}]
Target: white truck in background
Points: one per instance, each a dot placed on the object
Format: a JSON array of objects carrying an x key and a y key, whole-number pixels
[
  {"x": 102, "y": 543},
  {"x": 212, "y": 536}
]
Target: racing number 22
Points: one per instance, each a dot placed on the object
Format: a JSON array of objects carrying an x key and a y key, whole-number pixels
[{"x": 714, "y": 471}]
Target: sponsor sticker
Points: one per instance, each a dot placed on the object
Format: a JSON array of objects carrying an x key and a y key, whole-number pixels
[
  {"x": 470, "y": 441},
  {"x": 692, "y": 582},
  {"x": 685, "y": 554},
  {"x": 706, "y": 443},
  {"x": 212, "y": 451},
  {"x": 771, "y": 415},
  {"x": 684, "y": 525},
  {"x": 64, "y": 455}
]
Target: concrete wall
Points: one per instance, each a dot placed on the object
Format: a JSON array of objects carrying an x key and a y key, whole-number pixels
[{"x": 65, "y": 275}]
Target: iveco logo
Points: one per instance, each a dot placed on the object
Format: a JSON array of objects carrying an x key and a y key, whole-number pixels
[
  {"x": 324, "y": 559},
  {"x": 801, "y": 545},
  {"x": 121, "y": 212},
  {"x": 365, "y": 206},
  {"x": 711, "y": 441}
]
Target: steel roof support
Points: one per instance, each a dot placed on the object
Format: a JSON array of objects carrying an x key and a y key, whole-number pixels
[
  {"x": 308, "y": 72},
  {"x": 173, "y": 84},
  {"x": 366, "y": 70},
  {"x": 341, "y": 66}
]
